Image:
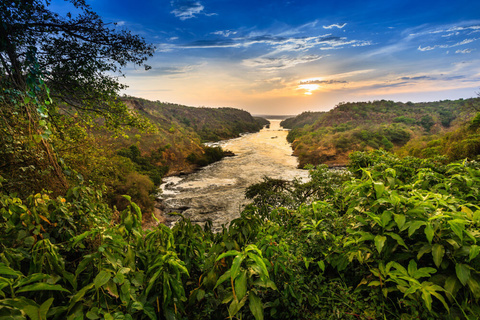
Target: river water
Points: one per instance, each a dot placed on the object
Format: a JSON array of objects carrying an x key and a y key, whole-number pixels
[{"x": 217, "y": 192}]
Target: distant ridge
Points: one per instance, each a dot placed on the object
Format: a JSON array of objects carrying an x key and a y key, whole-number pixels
[{"x": 274, "y": 117}]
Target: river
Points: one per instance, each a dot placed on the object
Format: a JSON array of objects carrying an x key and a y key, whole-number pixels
[{"x": 217, "y": 192}]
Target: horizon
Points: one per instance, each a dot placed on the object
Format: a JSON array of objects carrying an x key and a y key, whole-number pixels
[{"x": 288, "y": 57}]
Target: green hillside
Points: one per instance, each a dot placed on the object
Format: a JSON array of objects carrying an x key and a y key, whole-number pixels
[{"x": 328, "y": 137}]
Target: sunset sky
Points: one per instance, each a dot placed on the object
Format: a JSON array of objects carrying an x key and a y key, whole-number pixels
[{"x": 289, "y": 56}]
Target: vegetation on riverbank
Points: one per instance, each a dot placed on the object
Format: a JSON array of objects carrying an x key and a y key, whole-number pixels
[
  {"x": 406, "y": 128},
  {"x": 389, "y": 237}
]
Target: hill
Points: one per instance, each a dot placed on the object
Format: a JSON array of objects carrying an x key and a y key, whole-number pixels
[{"x": 328, "y": 137}]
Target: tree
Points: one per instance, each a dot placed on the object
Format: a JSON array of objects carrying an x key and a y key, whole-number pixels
[
  {"x": 78, "y": 56},
  {"x": 76, "y": 60}
]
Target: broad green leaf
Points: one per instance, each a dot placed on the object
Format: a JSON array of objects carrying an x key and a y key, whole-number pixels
[
  {"x": 425, "y": 249},
  {"x": 252, "y": 247},
  {"x": 200, "y": 294},
  {"x": 440, "y": 297},
  {"x": 379, "y": 242},
  {"x": 438, "y": 251},
  {"x": 399, "y": 220},
  {"x": 43, "y": 310},
  {"x": 474, "y": 251},
  {"x": 321, "y": 265},
  {"x": 379, "y": 189},
  {"x": 255, "y": 305},
  {"x": 235, "y": 269},
  {"x": 224, "y": 277},
  {"x": 397, "y": 238},
  {"x": 457, "y": 226},
  {"x": 386, "y": 218},
  {"x": 102, "y": 278},
  {"x": 259, "y": 261},
  {"x": 429, "y": 232},
  {"x": 463, "y": 272},
  {"x": 427, "y": 298},
  {"x": 228, "y": 254},
  {"x": 241, "y": 285},
  {"x": 7, "y": 270},
  {"x": 414, "y": 226},
  {"x": 412, "y": 267},
  {"x": 42, "y": 286}
]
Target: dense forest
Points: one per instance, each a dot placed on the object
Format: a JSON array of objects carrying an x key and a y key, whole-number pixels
[
  {"x": 418, "y": 129},
  {"x": 389, "y": 237}
]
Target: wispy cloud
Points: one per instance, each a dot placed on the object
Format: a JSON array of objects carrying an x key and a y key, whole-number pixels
[
  {"x": 279, "y": 63},
  {"x": 225, "y": 33},
  {"x": 187, "y": 9},
  {"x": 323, "y": 82},
  {"x": 335, "y": 25},
  {"x": 446, "y": 46},
  {"x": 279, "y": 43},
  {"x": 464, "y": 51}
]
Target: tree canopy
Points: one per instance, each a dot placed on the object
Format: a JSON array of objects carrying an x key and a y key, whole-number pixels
[{"x": 78, "y": 55}]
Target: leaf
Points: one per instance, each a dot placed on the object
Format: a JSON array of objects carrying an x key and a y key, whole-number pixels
[
  {"x": 259, "y": 262},
  {"x": 457, "y": 226},
  {"x": 379, "y": 189},
  {"x": 438, "y": 251},
  {"x": 224, "y": 277},
  {"x": 414, "y": 226},
  {"x": 429, "y": 233},
  {"x": 463, "y": 272},
  {"x": 386, "y": 218},
  {"x": 42, "y": 286},
  {"x": 399, "y": 220},
  {"x": 235, "y": 269},
  {"x": 255, "y": 305},
  {"x": 241, "y": 285},
  {"x": 102, "y": 278},
  {"x": 474, "y": 251},
  {"x": 228, "y": 254},
  {"x": 379, "y": 242},
  {"x": 397, "y": 238},
  {"x": 425, "y": 249},
  {"x": 43, "y": 310},
  {"x": 7, "y": 270}
]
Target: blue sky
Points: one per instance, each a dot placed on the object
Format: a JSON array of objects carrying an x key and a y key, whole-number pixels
[{"x": 289, "y": 56}]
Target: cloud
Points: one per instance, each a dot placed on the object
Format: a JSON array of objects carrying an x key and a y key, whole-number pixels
[
  {"x": 323, "y": 81},
  {"x": 417, "y": 78},
  {"x": 464, "y": 51},
  {"x": 271, "y": 64},
  {"x": 279, "y": 43},
  {"x": 446, "y": 46},
  {"x": 339, "y": 26},
  {"x": 187, "y": 9},
  {"x": 225, "y": 33}
]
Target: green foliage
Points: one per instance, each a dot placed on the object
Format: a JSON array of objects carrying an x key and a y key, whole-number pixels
[{"x": 388, "y": 238}]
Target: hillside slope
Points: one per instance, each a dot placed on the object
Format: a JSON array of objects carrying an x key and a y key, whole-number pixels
[{"x": 328, "y": 137}]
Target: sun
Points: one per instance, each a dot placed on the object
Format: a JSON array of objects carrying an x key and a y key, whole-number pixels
[{"x": 309, "y": 88}]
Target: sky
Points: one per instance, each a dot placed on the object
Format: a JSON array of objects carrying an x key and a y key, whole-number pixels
[{"x": 290, "y": 56}]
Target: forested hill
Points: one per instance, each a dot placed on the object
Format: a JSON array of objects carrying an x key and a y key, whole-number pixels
[
  {"x": 211, "y": 124},
  {"x": 328, "y": 137}
]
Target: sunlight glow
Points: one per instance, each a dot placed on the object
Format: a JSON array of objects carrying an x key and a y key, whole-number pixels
[{"x": 309, "y": 88}]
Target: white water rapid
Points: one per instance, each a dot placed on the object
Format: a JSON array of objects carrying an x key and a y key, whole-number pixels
[{"x": 217, "y": 192}]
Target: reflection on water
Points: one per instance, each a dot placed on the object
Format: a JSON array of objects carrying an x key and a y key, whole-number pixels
[{"x": 217, "y": 191}]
